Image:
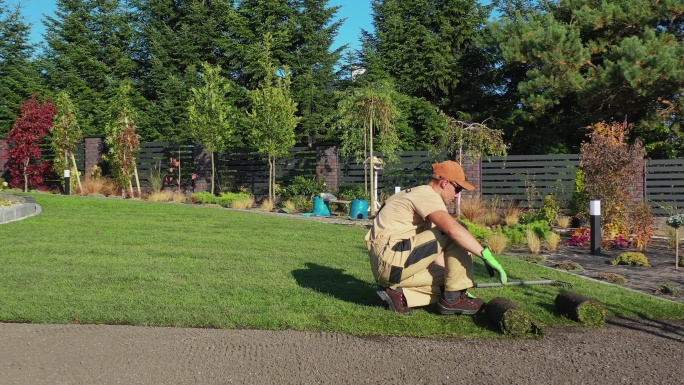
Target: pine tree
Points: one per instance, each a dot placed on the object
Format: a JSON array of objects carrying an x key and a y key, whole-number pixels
[
  {"x": 313, "y": 70},
  {"x": 19, "y": 77},
  {"x": 175, "y": 39},
  {"x": 88, "y": 53},
  {"x": 586, "y": 62}
]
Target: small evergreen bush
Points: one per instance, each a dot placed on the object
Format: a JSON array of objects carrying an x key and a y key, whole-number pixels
[{"x": 631, "y": 258}]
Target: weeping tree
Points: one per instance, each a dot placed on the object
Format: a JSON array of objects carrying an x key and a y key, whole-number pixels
[
  {"x": 459, "y": 137},
  {"x": 272, "y": 113},
  {"x": 64, "y": 135},
  {"x": 212, "y": 116},
  {"x": 366, "y": 112}
]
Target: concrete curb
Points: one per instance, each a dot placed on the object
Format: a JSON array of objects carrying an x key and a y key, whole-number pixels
[{"x": 22, "y": 211}]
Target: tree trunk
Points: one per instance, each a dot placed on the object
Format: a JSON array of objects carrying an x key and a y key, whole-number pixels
[
  {"x": 78, "y": 175},
  {"x": 213, "y": 172},
  {"x": 26, "y": 175},
  {"x": 677, "y": 249},
  {"x": 372, "y": 169},
  {"x": 137, "y": 179}
]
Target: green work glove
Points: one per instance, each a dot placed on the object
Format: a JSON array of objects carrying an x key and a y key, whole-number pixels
[{"x": 493, "y": 266}]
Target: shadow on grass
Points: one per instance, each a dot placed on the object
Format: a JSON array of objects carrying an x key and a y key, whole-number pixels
[{"x": 337, "y": 283}]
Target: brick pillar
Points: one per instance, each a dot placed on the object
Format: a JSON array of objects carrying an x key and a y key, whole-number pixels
[
  {"x": 471, "y": 167},
  {"x": 328, "y": 166},
  {"x": 3, "y": 155},
  {"x": 202, "y": 165},
  {"x": 637, "y": 192},
  {"x": 94, "y": 148}
]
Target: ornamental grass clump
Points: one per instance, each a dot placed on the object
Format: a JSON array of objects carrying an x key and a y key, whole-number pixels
[
  {"x": 473, "y": 209},
  {"x": 509, "y": 319},
  {"x": 552, "y": 240},
  {"x": 564, "y": 221},
  {"x": 533, "y": 241},
  {"x": 569, "y": 265},
  {"x": 668, "y": 288},
  {"x": 534, "y": 258},
  {"x": 631, "y": 258},
  {"x": 497, "y": 242},
  {"x": 266, "y": 205},
  {"x": 612, "y": 278},
  {"x": 585, "y": 310}
]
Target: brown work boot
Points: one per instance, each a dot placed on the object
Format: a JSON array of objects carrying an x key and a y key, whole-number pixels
[
  {"x": 395, "y": 300},
  {"x": 463, "y": 304}
]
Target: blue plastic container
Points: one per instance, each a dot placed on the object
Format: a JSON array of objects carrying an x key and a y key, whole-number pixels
[
  {"x": 320, "y": 207},
  {"x": 359, "y": 209}
]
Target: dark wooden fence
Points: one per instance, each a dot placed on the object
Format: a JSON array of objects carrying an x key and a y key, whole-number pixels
[
  {"x": 529, "y": 178},
  {"x": 243, "y": 167},
  {"x": 525, "y": 178},
  {"x": 664, "y": 185},
  {"x": 411, "y": 168}
]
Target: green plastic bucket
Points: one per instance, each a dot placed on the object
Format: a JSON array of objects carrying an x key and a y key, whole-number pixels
[{"x": 359, "y": 209}]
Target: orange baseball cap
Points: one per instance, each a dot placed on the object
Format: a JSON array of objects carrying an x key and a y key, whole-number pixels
[{"x": 452, "y": 171}]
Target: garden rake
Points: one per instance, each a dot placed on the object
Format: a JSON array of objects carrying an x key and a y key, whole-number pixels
[{"x": 520, "y": 283}]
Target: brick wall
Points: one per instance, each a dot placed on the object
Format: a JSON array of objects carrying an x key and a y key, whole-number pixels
[
  {"x": 94, "y": 148},
  {"x": 471, "y": 167},
  {"x": 202, "y": 165},
  {"x": 328, "y": 166}
]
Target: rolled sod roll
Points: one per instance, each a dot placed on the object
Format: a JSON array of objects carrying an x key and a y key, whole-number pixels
[
  {"x": 504, "y": 314},
  {"x": 586, "y": 310}
]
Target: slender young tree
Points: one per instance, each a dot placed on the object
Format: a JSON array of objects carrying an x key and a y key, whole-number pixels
[
  {"x": 123, "y": 140},
  {"x": 272, "y": 114},
  {"x": 366, "y": 112},
  {"x": 212, "y": 116},
  {"x": 27, "y": 134},
  {"x": 64, "y": 136}
]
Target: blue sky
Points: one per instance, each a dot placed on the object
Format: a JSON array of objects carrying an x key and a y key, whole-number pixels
[{"x": 357, "y": 13}]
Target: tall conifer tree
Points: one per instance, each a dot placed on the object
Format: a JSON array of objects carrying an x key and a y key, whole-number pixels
[{"x": 18, "y": 74}]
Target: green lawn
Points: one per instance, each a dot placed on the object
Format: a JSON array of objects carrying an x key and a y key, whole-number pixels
[{"x": 112, "y": 261}]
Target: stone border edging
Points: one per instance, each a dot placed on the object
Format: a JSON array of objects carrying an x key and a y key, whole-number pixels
[{"x": 21, "y": 211}]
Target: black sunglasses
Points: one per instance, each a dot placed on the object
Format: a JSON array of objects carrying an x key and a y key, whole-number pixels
[{"x": 456, "y": 186}]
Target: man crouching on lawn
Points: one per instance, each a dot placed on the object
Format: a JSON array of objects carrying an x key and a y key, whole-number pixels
[{"x": 416, "y": 263}]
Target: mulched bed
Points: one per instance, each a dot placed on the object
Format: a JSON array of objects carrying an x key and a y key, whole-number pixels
[{"x": 643, "y": 279}]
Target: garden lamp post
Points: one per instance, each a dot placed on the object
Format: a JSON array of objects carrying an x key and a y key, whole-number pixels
[
  {"x": 595, "y": 215},
  {"x": 67, "y": 182}
]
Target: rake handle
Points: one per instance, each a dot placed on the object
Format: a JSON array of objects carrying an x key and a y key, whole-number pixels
[{"x": 516, "y": 283}]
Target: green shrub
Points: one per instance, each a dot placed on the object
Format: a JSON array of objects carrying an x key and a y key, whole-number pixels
[
  {"x": 225, "y": 199},
  {"x": 204, "y": 197},
  {"x": 517, "y": 234},
  {"x": 302, "y": 204},
  {"x": 349, "y": 193},
  {"x": 631, "y": 258},
  {"x": 668, "y": 288},
  {"x": 579, "y": 203},
  {"x": 480, "y": 232},
  {"x": 302, "y": 186},
  {"x": 550, "y": 210}
]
